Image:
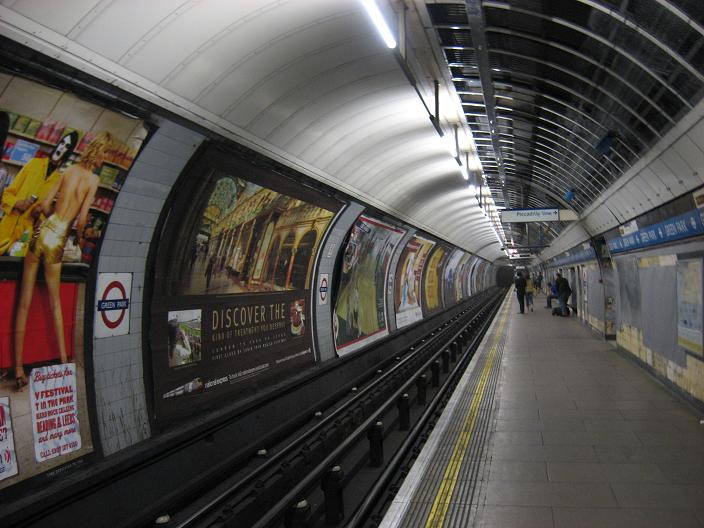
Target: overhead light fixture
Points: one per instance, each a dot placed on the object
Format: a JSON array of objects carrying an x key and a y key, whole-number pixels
[{"x": 381, "y": 25}]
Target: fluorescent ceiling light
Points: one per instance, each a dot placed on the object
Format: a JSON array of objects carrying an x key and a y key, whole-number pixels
[
  {"x": 474, "y": 163},
  {"x": 379, "y": 22}
]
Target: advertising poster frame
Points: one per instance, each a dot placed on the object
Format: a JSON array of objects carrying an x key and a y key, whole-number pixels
[
  {"x": 435, "y": 264},
  {"x": 450, "y": 276},
  {"x": 225, "y": 273},
  {"x": 70, "y": 109},
  {"x": 360, "y": 271},
  {"x": 411, "y": 263}
]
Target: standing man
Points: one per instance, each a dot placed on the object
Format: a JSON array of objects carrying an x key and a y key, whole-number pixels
[
  {"x": 521, "y": 291},
  {"x": 563, "y": 293}
]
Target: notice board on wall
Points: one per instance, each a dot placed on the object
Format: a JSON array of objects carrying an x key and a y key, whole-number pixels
[{"x": 690, "y": 315}]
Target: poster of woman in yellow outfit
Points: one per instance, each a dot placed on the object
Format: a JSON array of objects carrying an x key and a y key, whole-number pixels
[{"x": 28, "y": 189}]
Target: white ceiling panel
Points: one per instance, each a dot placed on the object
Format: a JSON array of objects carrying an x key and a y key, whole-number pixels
[
  {"x": 60, "y": 16},
  {"x": 681, "y": 170},
  {"x": 343, "y": 94},
  {"x": 672, "y": 182},
  {"x": 637, "y": 199},
  {"x": 274, "y": 57},
  {"x": 297, "y": 74},
  {"x": 662, "y": 193},
  {"x": 200, "y": 40},
  {"x": 308, "y": 80},
  {"x": 112, "y": 29},
  {"x": 692, "y": 155}
]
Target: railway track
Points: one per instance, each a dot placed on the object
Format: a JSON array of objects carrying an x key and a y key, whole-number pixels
[{"x": 337, "y": 467}]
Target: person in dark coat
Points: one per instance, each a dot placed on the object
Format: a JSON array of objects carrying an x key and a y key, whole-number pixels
[
  {"x": 563, "y": 293},
  {"x": 520, "y": 284}
]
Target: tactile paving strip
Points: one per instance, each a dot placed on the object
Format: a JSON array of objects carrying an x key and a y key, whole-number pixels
[{"x": 441, "y": 486}]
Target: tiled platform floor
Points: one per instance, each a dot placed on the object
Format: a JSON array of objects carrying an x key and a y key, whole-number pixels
[
  {"x": 582, "y": 437},
  {"x": 579, "y": 436}
]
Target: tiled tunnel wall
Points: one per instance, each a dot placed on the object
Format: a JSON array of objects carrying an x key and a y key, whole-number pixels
[{"x": 118, "y": 361}]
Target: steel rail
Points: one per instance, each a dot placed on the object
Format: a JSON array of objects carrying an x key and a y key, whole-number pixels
[
  {"x": 381, "y": 484},
  {"x": 352, "y": 439},
  {"x": 287, "y": 450}
]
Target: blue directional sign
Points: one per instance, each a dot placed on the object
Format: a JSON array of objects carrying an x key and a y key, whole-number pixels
[{"x": 682, "y": 226}]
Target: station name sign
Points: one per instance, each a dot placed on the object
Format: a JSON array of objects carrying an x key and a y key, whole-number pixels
[{"x": 529, "y": 215}]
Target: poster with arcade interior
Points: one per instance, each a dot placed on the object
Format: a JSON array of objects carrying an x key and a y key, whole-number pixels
[
  {"x": 231, "y": 312},
  {"x": 432, "y": 280},
  {"x": 360, "y": 306},
  {"x": 407, "y": 294},
  {"x": 64, "y": 161}
]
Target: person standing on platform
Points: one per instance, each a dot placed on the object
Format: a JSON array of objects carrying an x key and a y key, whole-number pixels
[
  {"x": 520, "y": 291},
  {"x": 530, "y": 290},
  {"x": 552, "y": 293},
  {"x": 563, "y": 293}
]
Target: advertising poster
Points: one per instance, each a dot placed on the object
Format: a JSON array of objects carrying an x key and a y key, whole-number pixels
[
  {"x": 407, "y": 295},
  {"x": 466, "y": 277},
  {"x": 432, "y": 281},
  {"x": 53, "y": 405},
  {"x": 690, "y": 314},
  {"x": 231, "y": 311},
  {"x": 461, "y": 277},
  {"x": 64, "y": 161},
  {"x": 450, "y": 277},
  {"x": 360, "y": 308},
  {"x": 8, "y": 457},
  {"x": 478, "y": 278}
]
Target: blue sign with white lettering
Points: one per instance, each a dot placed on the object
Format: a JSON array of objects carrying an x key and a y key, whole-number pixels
[
  {"x": 571, "y": 258},
  {"x": 113, "y": 304},
  {"x": 683, "y": 226}
]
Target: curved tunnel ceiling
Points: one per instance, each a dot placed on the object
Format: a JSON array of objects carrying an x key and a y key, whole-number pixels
[
  {"x": 307, "y": 81},
  {"x": 578, "y": 90}
]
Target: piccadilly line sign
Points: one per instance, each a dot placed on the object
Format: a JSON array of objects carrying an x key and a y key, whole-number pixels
[{"x": 529, "y": 215}]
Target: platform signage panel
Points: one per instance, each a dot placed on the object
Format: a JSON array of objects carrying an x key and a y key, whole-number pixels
[
  {"x": 572, "y": 257},
  {"x": 529, "y": 215},
  {"x": 112, "y": 315},
  {"x": 682, "y": 226}
]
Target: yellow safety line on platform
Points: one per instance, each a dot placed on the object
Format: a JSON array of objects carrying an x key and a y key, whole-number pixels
[{"x": 449, "y": 480}]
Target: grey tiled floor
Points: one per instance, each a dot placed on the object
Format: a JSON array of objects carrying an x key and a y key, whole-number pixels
[{"x": 582, "y": 437}]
